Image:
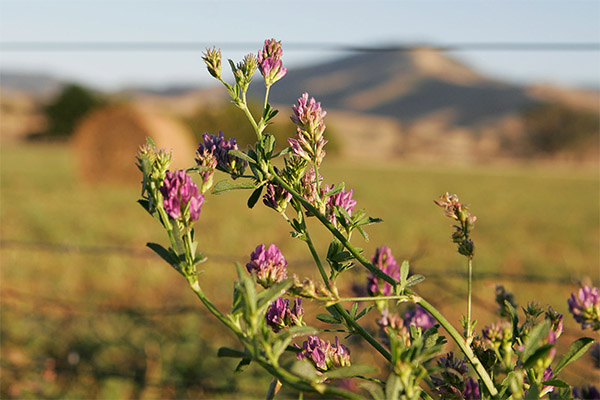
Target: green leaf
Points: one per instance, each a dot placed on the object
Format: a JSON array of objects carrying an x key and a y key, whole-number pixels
[
  {"x": 350, "y": 371},
  {"x": 226, "y": 186},
  {"x": 242, "y": 365},
  {"x": 364, "y": 312},
  {"x": 282, "y": 152},
  {"x": 254, "y": 197},
  {"x": 413, "y": 280},
  {"x": 514, "y": 318},
  {"x": 164, "y": 254},
  {"x": 369, "y": 221},
  {"x": 576, "y": 350},
  {"x": 229, "y": 352},
  {"x": 404, "y": 271},
  {"x": 199, "y": 168},
  {"x": 354, "y": 310},
  {"x": 538, "y": 354},
  {"x": 266, "y": 297},
  {"x": 375, "y": 390},
  {"x": 296, "y": 331},
  {"x": 533, "y": 393},
  {"x": 338, "y": 188},
  {"x": 537, "y": 334},
  {"x": 556, "y": 383},
  {"x": 329, "y": 319},
  {"x": 242, "y": 155},
  {"x": 304, "y": 369},
  {"x": 393, "y": 387}
]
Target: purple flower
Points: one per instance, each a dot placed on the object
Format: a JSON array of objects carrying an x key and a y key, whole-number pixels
[
  {"x": 451, "y": 384},
  {"x": 419, "y": 318},
  {"x": 280, "y": 315},
  {"x": 471, "y": 390},
  {"x": 323, "y": 354},
  {"x": 269, "y": 62},
  {"x": 585, "y": 307},
  {"x": 343, "y": 200},
  {"x": 586, "y": 393},
  {"x": 181, "y": 198},
  {"x": 219, "y": 148},
  {"x": 459, "y": 212},
  {"x": 383, "y": 260},
  {"x": 277, "y": 197},
  {"x": 497, "y": 334},
  {"x": 392, "y": 322},
  {"x": 208, "y": 162},
  {"x": 556, "y": 319},
  {"x": 309, "y": 116},
  {"x": 310, "y": 121},
  {"x": 269, "y": 265}
]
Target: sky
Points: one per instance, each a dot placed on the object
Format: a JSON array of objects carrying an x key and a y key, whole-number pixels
[{"x": 248, "y": 23}]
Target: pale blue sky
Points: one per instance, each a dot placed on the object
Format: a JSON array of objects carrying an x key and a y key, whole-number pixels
[{"x": 344, "y": 22}]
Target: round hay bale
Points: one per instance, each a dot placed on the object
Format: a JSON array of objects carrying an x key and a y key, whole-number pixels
[{"x": 107, "y": 141}]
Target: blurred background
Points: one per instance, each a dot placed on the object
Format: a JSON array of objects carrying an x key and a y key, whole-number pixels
[{"x": 495, "y": 101}]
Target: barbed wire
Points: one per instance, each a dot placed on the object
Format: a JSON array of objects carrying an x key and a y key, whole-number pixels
[
  {"x": 143, "y": 253},
  {"x": 182, "y": 46}
]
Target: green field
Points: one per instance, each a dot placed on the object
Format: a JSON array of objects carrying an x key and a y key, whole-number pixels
[{"x": 87, "y": 312}]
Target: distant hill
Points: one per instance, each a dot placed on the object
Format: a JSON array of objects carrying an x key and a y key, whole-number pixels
[
  {"x": 36, "y": 84},
  {"x": 403, "y": 85}
]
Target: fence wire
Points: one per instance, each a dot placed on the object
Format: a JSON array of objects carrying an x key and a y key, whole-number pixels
[{"x": 142, "y": 253}]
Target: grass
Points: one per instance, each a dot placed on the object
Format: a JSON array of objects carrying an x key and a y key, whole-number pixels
[{"x": 79, "y": 321}]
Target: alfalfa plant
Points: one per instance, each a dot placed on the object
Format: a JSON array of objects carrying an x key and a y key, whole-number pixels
[{"x": 513, "y": 359}]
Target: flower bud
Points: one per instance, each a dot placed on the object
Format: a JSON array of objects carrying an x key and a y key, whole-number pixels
[
  {"x": 269, "y": 62},
  {"x": 181, "y": 198},
  {"x": 269, "y": 265},
  {"x": 212, "y": 58}
]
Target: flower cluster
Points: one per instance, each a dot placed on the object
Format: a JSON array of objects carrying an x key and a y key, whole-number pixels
[
  {"x": 309, "y": 118},
  {"x": 311, "y": 290},
  {"x": 269, "y": 265},
  {"x": 280, "y": 315},
  {"x": 218, "y": 147},
  {"x": 277, "y": 197},
  {"x": 498, "y": 335},
  {"x": 207, "y": 162},
  {"x": 585, "y": 307},
  {"x": 418, "y": 317},
  {"x": 343, "y": 200},
  {"x": 212, "y": 58},
  {"x": 323, "y": 354},
  {"x": 452, "y": 382},
  {"x": 384, "y": 260},
  {"x": 460, "y": 213},
  {"x": 244, "y": 71},
  {"x": 181, "y": 198},
  {"x": 269, "y": 62}
]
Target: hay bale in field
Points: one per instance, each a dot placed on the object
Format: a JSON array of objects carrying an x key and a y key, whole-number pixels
[{"x": 107, "y": 141}]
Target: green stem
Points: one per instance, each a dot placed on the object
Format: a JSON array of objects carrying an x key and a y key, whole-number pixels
[
  {"x": 469, "y": 291},
  {"x": 314, "y": 211},
  {"x": 468, "y": 352},
  {"x": 297, "y": 383},
  {"x": 376, "y": 271},
  {"x": 246, "y": 110},
  {"x": 266, "y": 102},
  {"x": 193, "y": 282},
  {"x": 355, "y": 325},
  {"x": 313, "y": 252}
]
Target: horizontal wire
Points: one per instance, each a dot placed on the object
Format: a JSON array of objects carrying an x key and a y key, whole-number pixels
[
  {"x": 142, "y": 253},
  {"x": 16, "y": 46}
]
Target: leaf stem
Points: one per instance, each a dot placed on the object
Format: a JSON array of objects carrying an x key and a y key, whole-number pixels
[{"x": 349, "y": 320}]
